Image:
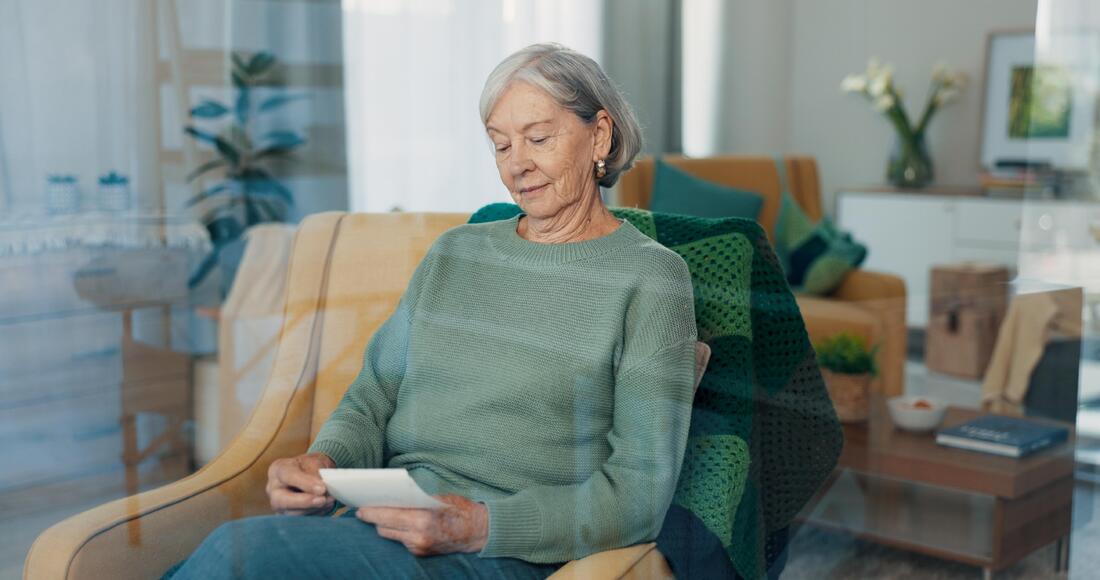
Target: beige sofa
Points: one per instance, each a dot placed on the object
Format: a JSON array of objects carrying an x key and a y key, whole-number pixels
[
  {"x": 346, "y": 274},
  {"x": 869, "y": 304}
]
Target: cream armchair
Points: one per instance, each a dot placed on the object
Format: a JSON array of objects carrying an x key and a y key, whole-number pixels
[{"x": 346, "y": 275}]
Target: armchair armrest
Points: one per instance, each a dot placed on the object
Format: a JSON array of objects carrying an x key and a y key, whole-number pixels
[
  {"x": 884, "y": 295},
  {"x": 865, "y": 285},
  {"x": 143, "y": 535},
  {"x": 641, "y": 561}
]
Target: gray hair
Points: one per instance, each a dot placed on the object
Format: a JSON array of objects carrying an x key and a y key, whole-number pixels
[{"x": 578, "y": 84}]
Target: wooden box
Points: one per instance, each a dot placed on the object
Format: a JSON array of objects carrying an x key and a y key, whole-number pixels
[{"x": 968, "y": 303}]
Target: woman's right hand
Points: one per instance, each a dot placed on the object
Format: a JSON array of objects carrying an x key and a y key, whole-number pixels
[{"x": 294, "y": 485}]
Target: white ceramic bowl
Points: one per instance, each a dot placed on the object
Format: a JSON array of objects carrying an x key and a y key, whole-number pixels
[{"x": 906, "y": 416}]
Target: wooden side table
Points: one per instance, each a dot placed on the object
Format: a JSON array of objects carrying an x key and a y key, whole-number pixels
[{"x": 903, "y": 490}]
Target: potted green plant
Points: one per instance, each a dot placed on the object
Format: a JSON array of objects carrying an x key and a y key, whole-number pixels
[
  {"x": 248, "y": 193},
  {"x": 848, "y": 365}
]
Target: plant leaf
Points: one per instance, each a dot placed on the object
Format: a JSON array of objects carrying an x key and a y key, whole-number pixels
[
  {"x": 209, "y": 165},
  {"x": 276, "y": 208},
  {"x": 223, "y": 210},
  {"x": 263, "y": 212},
  {"x": 239, "y": 80},
  {"x": 224, "y": 147},
  {"x": 227, "y": 150},
  {"x": 268, "y": 187},
  {"x": 210, "y": 192},
  {"x": 257, "y": 181},
  {"x": 278, "y": 101},
  {"x": 272, "y": 152},
  {"x": 243, "y": 102},
  {"x": 256, "y": 172},
  {"x": 209, "y": 109},
  {"x": 201, "y": 135},
  {"x": 204, "y": 268},
  {"x": 224, "y": 229},
  {"x": 251, "y": 212},
  {"x": 239, "y": 64},
  {"x": 285, "y": 139},
  {"x": 260, "y": 63}
]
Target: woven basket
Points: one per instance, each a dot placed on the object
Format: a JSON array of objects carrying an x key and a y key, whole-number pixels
[{"x": 851, "y": 395}]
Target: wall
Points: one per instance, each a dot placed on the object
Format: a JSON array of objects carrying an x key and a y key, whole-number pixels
[
  {"x": 835, "y": 38},
  {"x": 787, "y": 58},
  {"x": 756, "y": 105}
]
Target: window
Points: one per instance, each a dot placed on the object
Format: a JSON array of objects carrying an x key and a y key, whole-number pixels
[{"x": 414, "y": 73}]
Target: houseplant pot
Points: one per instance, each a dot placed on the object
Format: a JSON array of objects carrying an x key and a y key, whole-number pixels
[
  {"x": 851, "y": 395},
  {"x": 848, "y": 365}
]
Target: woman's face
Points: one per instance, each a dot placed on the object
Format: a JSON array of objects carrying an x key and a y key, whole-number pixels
[{"x": 545, "y": 154}]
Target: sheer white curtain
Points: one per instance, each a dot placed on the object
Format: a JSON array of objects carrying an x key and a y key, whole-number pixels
[
  {"x": 77, "y": 96},
  {"x": 701, "y": 62},
  {"x": 413, "y": 74}
]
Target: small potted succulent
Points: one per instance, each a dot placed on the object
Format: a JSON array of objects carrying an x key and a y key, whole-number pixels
[{"x": 848, "y": 365}]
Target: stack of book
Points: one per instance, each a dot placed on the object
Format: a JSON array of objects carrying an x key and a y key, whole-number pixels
[
  {"x": 1017, "y": 180},
  {"x": 1000, "y": 435}
]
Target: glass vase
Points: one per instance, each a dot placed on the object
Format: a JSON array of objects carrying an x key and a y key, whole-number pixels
[{"x": 909, "y": 165}]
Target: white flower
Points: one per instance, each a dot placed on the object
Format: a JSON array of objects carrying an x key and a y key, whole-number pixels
[
  {"x": 877, "y": 87},
  {"x": 883, "y": 103},
  {"x": 873, "y": 66},
  {"x": 945, "y": 77},
  {"x": 945, "y": 96},
  {"x": 879, "y": 78},
  {"x": 887, "y": 71},
  {"x": 940, "y": 72},
  {"x": 854, "y": 84}
]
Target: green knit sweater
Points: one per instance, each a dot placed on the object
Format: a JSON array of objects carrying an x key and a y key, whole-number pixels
[
  {"x": 553, "y": 382},
  {"x": 763, "y": 434}
]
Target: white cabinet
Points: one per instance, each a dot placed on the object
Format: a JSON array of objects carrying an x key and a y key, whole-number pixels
[
  {"x": 906, "y": 234},
  {"x": 903, "y": 234}
]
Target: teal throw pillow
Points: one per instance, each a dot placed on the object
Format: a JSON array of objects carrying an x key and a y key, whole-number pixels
[
  {"x": 815, "y": 257},
  {"x": 676, "y": 191}
]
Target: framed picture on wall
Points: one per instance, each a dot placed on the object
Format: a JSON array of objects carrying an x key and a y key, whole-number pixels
[{"x": 1038, "y": 105}]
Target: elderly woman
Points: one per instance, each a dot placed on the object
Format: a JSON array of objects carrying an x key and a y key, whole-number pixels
[{"x": 536, "y": 376}]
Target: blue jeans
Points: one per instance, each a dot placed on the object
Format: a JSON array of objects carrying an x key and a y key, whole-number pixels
[
  {"x": 344, "y": 547},
  {"x": 319, "y": 547}
]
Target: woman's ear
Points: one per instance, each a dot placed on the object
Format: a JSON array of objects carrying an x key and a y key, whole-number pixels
[{"x": 603, "y": 126}]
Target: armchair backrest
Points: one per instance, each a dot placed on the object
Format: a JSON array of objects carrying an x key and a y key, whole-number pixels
[
  {"x": 370, "y": 263},
  {"x": 749, "y": 172}
]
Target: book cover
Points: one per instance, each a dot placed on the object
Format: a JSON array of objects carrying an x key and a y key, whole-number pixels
[{"x": 1000, "y": 435}]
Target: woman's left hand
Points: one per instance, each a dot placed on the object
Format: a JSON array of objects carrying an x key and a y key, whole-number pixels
[{"x": 461, "y": 526}]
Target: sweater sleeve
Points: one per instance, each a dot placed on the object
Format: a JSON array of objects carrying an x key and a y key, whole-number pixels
[
  {"x": 354, "y": 435},
  {"x": 625, "y": 500}
]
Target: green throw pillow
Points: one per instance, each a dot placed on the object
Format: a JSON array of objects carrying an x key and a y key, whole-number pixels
[
  {"x": 676, "y": 191},
  {"x": 815, "y": 257}
]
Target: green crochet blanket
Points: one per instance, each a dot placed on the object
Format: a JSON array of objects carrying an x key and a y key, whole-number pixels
[{"x": 764, "y": 434}]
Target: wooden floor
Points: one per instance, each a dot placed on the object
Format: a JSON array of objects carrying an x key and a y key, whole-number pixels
[{"x": 25, "y": 513}]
